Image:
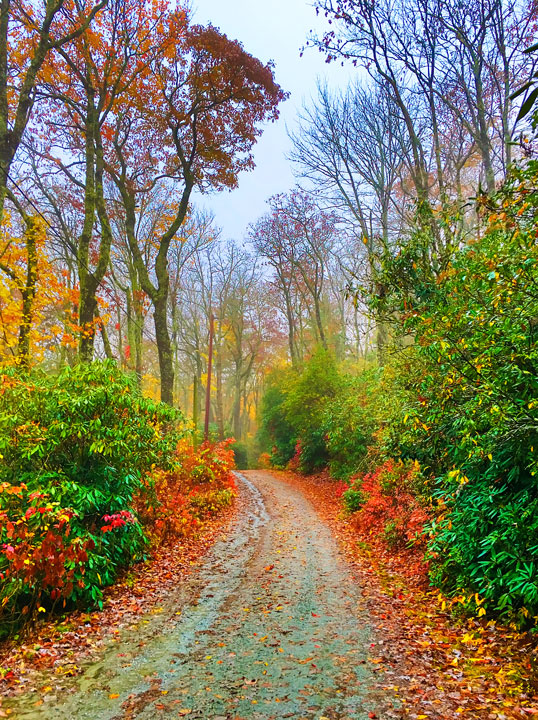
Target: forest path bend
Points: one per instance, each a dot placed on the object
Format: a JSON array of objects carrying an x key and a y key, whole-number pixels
[{"x": 272, "y": 626}]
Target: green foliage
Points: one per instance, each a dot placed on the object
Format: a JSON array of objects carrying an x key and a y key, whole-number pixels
[
  {"x": 277, "y": 434},
  {"x": 322, "y": 415},
  {"x": 471, "y": 409},
  {"x": 75, "y": 449},
  {"x": 486, "y": 541},
  {"x": 353, "y": 499},
  {"x": 349, "y": 422},
  {"x": 89, "y": 428},
  {"x": 241, "y": 455},
  {"x": 305, "y": 407}
]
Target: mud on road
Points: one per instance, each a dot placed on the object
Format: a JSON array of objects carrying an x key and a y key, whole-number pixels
[{"x": 272, "y": 626}]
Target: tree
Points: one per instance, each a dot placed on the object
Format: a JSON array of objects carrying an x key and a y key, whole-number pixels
[
  {"x": 202, "y": 106},
  {"x": 354, "y": 147},
  {"x": 29, "y": 34},
  {"x": 465, "y": 57},
  {"x": 84, "y": 86},
  {"x": 297, "y": 237}
]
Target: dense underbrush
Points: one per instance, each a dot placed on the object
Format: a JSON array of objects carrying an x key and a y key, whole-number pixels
[
  {"x": 93, "y": 475},
  {"x": 439, "y": 446}
]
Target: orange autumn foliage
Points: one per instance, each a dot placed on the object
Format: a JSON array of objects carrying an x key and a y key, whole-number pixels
[
  {"x": 174, "y": 504},
  {"x": 54, "y": 307},
  {"x": 391, "y": 516}
]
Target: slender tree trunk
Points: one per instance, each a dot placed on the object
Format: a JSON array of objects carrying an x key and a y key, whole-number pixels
[
  {"x": 197, "y": 396},
  {"x": 209, "y": 373},
  {"x": 195, "y": 402},
  {"x": 28, "y": 291},
  {"x": 484, "y": 142},
  {"x": 164, "y": 348},
  {"x": 106, "y": 341},
  {"x": 130, "y": 328},
  {"x": 291, "y": 333},
  {"x": 219, "y": 399},
  {"x": 319, "y": 322},
  {"x": 237, "y": 407}
]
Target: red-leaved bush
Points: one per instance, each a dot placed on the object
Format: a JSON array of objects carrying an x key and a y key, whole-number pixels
[
  {"x": 174, "y": 504},
  {"x": 42, "y": 553},
  {"x": 391, "y": 513}
]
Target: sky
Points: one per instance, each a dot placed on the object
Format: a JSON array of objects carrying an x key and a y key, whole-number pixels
[{"x": 270, "y": 30}]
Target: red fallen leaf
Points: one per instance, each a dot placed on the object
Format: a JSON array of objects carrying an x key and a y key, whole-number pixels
[
  {"x": 314, "y": 615},
  {"x": 372, "y": 715},
  {"x": 269, "y": 568}
]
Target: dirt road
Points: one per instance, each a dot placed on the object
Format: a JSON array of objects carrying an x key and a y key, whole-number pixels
[{"x": 271, "y": 627}]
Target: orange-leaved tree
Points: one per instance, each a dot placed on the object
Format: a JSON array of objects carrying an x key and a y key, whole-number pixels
[
  {"x": 191, "y": 123},
  {"x": 29, "y": 33},
  {"x": 35, "y": 299},
  {"x": 84, "y": 88}
]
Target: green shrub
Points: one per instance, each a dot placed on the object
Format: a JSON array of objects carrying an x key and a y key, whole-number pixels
[
  {"x": 277, "y": 434},
  {"x": 349, "y": 422},
  {"x": 353, "y": 499},
  {"x": 74, "y": 448},
  {"x": 486, "y": 542},
  {"x": 307, "y": 397},
  {"x": 471, "y": 415}
]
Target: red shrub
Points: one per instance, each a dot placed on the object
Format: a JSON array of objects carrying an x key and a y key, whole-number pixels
[
  {"x": 295, "y": 463},
  {"x": 391, "y": 513},
  {"x": 174, "y": 504},
  {"x": 40, "y": 554}
]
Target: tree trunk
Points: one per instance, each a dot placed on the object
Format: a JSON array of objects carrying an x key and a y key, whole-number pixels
[
  {"x": 86, "y": 316},
  {"x": 164, "y": 348},
  {"x": 237, "y": 408},
  {"x": 94, "y": 203},
  {"x": 219, "y": 400},
  {"x": 319, "y": 323},
  {"x": 195, "y": 404},
  {"x": 28, "y": 292},
  {"x": 106, "y": 342}
]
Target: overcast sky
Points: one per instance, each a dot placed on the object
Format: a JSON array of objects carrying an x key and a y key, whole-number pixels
[{"x": 270, "y": 30}]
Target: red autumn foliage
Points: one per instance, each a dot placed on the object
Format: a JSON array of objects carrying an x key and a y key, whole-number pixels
[
  {"x": 175, "y": 504},
  {"x": 295, "y": 463},
  {"x": 117, "y": 520},
  {"x": 391, "y": 515},
  {"x": 42, "y": 553}
]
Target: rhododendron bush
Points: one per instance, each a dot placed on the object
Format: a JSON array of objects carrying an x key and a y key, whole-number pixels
[{"x": 92, "y": 473}]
